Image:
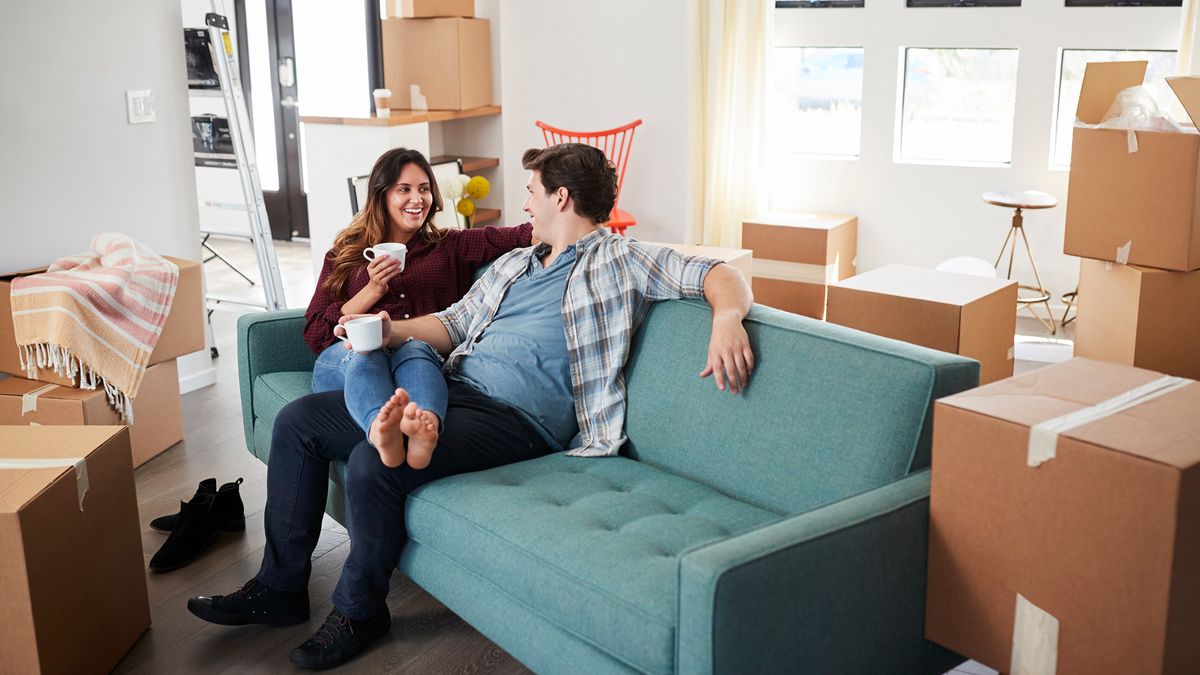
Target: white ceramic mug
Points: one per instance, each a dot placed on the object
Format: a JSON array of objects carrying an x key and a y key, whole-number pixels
[
  {"x": 365, "y": 334},
  {"x": 397, "y": 251}
]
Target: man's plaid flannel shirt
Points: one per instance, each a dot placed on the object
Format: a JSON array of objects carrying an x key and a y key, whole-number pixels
[{"x": 610, "y": 289}]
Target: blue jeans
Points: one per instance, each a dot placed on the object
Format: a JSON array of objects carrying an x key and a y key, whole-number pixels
[{"x": 369, "y": 380}]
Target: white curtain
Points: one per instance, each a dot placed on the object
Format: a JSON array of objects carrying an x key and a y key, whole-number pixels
[
  {"x": 1189, "y": 40},
  {"x": 735, "y": 38}
]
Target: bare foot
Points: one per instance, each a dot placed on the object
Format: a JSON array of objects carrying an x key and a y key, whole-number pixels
[
  {"x": 421, "y": 427},
  {"x": 386, "y": 433}
]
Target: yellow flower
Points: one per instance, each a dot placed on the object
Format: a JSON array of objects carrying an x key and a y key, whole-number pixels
[
  {"x": 478, "y": 187},
  {"x": 466, "y": 207}
]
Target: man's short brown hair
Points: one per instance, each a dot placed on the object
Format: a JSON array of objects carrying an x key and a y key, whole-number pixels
[{"x": 584, "y": 171}]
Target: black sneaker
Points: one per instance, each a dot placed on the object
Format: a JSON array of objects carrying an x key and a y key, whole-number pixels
[
  {"x": 253, "y": 603},
  {"x": 228, "y": 508},
  {"x": 340, "y": 639}
]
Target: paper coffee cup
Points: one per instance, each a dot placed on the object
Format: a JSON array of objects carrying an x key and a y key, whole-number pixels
[{"x": 383, "y": 102}]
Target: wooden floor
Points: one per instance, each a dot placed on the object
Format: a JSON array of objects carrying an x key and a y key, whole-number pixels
[{"x": 426, "y": 637}]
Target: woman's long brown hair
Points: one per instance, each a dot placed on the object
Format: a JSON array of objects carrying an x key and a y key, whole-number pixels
[{"x": 370, "y": 225}]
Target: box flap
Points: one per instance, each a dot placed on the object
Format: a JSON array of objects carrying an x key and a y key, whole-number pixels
[
  {"x": 19, "y": 486},
  {"x": 1187, "y": 90},
  {"x": 1165, "y": 429},
  {"x": 1101, "y": 84}
]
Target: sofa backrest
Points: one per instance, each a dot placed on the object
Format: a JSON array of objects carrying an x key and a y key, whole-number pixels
[{"x": 830, "y": 412}]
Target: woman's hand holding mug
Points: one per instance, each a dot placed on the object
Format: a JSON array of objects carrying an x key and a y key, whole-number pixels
[
  {"x": 363, "y": 332},
  {"x": 386, "y": 261}
]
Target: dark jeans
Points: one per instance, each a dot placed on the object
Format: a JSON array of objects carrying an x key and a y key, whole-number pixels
[{"x": 478, "y": 433}]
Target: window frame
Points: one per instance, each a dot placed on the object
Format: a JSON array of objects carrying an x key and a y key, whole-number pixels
[{"x": 902, "y": 85}]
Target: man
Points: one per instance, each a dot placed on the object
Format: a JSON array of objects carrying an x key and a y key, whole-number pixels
[{"x": 535, "y": 354}]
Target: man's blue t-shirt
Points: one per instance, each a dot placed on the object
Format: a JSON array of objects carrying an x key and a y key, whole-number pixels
[{"x": 521, "y": 358}]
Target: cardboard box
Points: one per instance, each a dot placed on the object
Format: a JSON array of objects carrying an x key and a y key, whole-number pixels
[
  {"x": 450, "y": 60},
  {"x": 1139, "y": 316},
  {"x": 425, "y": 9},
  {"x": 739, "y": 258},
  {"x": 957, "y": 313},
  {"x": 796, "y": 257},
  {"x": 72, "y": 574},
  {"x": 1137, "y": 207},
  {"x": 1104, "y": 536},
  {"x": 182, "y": 334},
  {"x": 157, "y": 411}
]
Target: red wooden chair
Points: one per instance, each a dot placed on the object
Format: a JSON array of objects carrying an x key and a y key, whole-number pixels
[{"x": 615, "y": 144}]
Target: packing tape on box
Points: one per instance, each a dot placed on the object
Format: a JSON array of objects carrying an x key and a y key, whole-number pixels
[
  {"x": 805, "y": 273},
  {"x": 1123, "y": 252},
  {"x": 77, "y": 463},
  {"x": 29, "y": 399},
  {"x": 1035, "y": 640},
  {"x": 1043, "y": 437},
  {"x": 1131, "y": 140}
]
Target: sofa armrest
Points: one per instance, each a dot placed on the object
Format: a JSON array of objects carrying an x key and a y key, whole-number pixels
[
  {"x": 268, "y": 342},
  {"x": 840, "y": 589}
]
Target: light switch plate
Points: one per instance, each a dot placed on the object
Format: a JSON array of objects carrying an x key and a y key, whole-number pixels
[{"x": 139, "y": 104}]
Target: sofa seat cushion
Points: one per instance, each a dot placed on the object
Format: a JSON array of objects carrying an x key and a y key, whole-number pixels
[
  {"x": 275, "y": 390},
  {"x": 590, "y": 544}
]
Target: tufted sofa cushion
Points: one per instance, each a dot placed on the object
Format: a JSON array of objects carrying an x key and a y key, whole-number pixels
[{"x": 592, "y": 545}]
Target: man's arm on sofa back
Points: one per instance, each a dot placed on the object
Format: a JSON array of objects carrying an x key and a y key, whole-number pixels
[
  {"x": 268, "y": 342},
  {"x": 840, "y": 589}
]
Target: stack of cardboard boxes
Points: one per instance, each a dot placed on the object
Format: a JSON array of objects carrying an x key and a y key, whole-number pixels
[
  {"x": 72, "y": 572},
  {"x": 1065, "y": 502},
  {"x": 436, "y": 56},
  {"x": 1133, "y": 215},
  {"x": 157, "y": 411},
  {"x": 797, "y": 256}
]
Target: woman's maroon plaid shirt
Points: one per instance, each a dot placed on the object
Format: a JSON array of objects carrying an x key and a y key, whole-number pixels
[{"x": 435, "y": 276}]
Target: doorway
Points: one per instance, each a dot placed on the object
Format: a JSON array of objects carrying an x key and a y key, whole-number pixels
[{"x": 299, "y": 57}]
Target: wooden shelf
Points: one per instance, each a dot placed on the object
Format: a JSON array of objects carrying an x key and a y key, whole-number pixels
[
  {"x": 399, "y": 117},
  {"x": 484, "y": 216},
  {"x": 470, "y": 164}
]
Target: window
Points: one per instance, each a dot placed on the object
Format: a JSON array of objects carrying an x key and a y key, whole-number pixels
[
  {"x": 794, "y": 4},
  {"x": 816, "y": 105},
  {"x": 1124, "y": 3},
  {"x": 964, "y": 3},
  {"x": 958, "y": 105},
  {"x": 1070, "y": 79}
]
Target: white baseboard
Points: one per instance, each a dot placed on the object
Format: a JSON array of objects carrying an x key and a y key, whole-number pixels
[
  {"x": 197, "y": 380},
  {"x": 196, "y": 371}
]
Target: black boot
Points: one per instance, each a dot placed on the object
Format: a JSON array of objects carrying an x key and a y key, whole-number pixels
[
  {"x": 196, "y": 530},
  {"x": 340, "y": 640},
  {"x": 253, "y": 603},
  {"x": 230, "y": 512}
]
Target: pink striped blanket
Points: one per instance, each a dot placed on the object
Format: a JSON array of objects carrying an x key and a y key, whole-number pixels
[{"x": 96, "y": 316}]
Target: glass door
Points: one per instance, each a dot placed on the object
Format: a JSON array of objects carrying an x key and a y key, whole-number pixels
[
  {"x": 302, "y": 57},
  {"x": 269, "y": 69}
]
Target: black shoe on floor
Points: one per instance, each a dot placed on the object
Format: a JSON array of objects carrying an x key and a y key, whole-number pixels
[
  {"x": 340, "y": 639},
  {"x": 253, "y": 603},
  {"x": 228, "y": 508},
  {"x": 196, "y": 530}
]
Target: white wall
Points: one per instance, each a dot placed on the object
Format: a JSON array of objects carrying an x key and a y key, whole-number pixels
[
  {"x": 71, "y": 166},
  {"x": 921, "y": 214},
  {"x": 585, "y": 65}
]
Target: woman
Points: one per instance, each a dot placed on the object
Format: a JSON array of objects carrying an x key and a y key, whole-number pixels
[{"x": 402, "y": 199}]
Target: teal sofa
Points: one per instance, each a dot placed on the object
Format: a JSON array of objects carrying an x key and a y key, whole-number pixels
[{"x": 782, "y": 530}]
